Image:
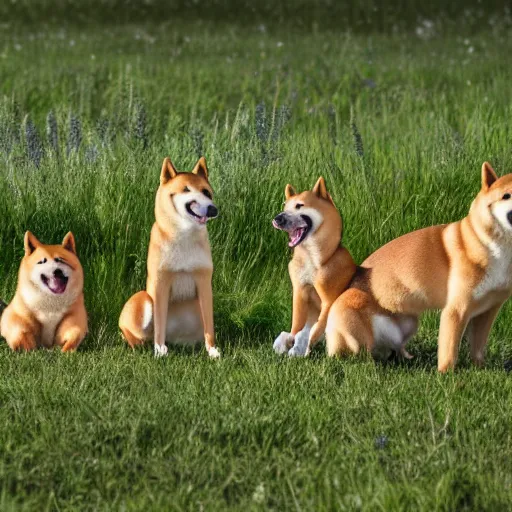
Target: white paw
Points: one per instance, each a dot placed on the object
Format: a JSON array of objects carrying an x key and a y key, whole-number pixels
[
  {"x": 296, "y": 351},
  {"x": 213, "y": 352},
  {"x": 160, "y": 350},
  {"x": 301, "y": 346},
  {"x": 282, "y": 342}
]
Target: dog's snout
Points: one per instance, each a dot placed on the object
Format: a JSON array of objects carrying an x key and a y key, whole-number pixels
[
  {"x": 279, "y": 220},
  {"x": 58, "y": 273},
  {"x": 212, "y": 211},
  {"x": 509, "y": 217}
]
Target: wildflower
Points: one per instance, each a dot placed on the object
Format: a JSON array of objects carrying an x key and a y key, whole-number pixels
[
  {"x": 75, "y": 134},
  {"x": 34, "y": 144}
]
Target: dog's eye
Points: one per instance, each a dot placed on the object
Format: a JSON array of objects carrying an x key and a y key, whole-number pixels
[
  {"x": 44, "y": 260},
  {"x": 298, "y": 206},
  {"x": 186, "y": 189},
  {"x": 506, "y": 196},
  {"x": 207, "y": 193}
]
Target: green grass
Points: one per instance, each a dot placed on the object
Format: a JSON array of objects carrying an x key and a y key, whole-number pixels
[{"x": 108, "y": 428}]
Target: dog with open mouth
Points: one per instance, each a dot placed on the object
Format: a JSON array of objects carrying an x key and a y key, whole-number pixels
[
  {"x": 321, "y": 268},
  {"x": 48, "y": 308},
  {"x": 177, "y": 305},
  {"x": 463, "y": 269}
]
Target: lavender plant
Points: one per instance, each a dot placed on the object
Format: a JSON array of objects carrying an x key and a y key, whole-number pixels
[
  {"x": 358, "y": 139},
  {"x": 33, "y": 141},
  {"x": 52, "y": 134},
  {"x": 75, "y": 135}
]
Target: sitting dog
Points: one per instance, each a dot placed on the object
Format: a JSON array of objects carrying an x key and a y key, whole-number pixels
[
  {"x": 321, "y": 268},
  {"x": 463, "y": 269},
  {"x": 48, "y": 307},
  {"x": 177, "y": 304}
]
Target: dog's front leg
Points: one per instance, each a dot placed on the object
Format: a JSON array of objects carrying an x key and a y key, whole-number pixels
[
  {"x": 453, "y": 324},
  {"x": 160, "y": 311},
  {"x": 318, "y": 330},
  {"x": 203, "y": 279},
  {"x": 286, "y": 340}
]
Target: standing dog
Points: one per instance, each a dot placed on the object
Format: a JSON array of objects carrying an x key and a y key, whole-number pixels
[
  {"x": 321, "y": 268},
  {"x": 48, "y": 307},
  {"x": 463, "y": 269},
  {"x": 177, "y": 304}
]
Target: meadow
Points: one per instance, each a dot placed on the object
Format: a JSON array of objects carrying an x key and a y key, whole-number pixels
[{"x": 398, "y": 121}]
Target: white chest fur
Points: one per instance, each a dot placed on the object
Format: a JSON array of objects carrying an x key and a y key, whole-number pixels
[
  {"x": 49, "y": 323},
  {"x": 498, "y": 275},
  {"x": 48, "y": 310},
  {"x": 183, "y": 287},
  {"x": 307, "y": 273},
  {"x": 186, "y": 254}
]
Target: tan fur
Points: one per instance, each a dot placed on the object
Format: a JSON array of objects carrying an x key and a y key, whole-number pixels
[
  {"x": 37, "y": 317},
  {"x": 177, "y": 304},
  {"x": 463, "y": 269},
  {"x": 321, "y": 268}
]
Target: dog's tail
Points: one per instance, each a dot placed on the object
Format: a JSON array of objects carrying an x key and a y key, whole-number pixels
[{"x": 3, "y": 305}]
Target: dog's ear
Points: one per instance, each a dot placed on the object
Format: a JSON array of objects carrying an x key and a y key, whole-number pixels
[
  {"x": 31, "y": 243},
  {"x": 69, "y": 243},
  {"x": 488, "y": 176},
  {"x": 200, "y": 168},
  {"x": 289, "y": 191},
  {"x": 168, "y": 171},
  {"x": 321, "y": 190}
]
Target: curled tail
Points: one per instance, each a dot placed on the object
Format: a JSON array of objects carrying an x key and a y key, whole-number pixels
[{"x": 3, "y": 305}]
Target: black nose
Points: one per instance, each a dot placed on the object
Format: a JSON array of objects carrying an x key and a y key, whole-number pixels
[
  {"x": 280, "y": 220},
  {"x": 212, "y": 211},
  {"x": 509, "y": 217},
  {"x": 58, "y": 273}
]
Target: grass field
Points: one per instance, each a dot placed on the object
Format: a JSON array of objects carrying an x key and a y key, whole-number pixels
[{"x": 398, "y": 122}]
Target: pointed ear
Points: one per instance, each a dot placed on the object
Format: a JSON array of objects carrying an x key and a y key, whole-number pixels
[
  {"x": 168, "y": 171},
  {"x": 69, "y": 243},
  {"x": 31, "y": 243},
  {"x": 488, "y": 176},
  {"x": 289, "y": 191},
  {"x": 320, "y": 189},
  {"x": 201, "y": 168}
]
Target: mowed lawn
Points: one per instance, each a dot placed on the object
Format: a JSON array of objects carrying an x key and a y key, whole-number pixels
[{"x": 398, "y": 125}]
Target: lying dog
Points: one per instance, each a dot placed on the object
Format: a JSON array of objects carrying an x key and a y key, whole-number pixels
[
  {"x": 321, "y": 268},
  {"x": 463, "y": 269},
  {"x": 177, "y": 304},
  {"x": 48, "y": 307}
]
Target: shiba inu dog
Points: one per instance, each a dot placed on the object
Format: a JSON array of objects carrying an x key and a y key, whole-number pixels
[
  {"x": 48, "y": 307},
  {"x": 177, "y": 304},
  {"x": 463, "y": 269},
  {"x": 321, "y": 268}
]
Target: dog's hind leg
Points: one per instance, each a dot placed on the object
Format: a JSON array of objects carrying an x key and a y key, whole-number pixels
[
  {"x": 348, "y": 329},
  {"x": 136, "y": 320}
]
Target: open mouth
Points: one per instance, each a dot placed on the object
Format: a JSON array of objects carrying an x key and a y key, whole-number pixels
[
  {"x": 56, "y": 283},
  {"x": 297, "y": 235},
  {"x": 201, "y": 219}
]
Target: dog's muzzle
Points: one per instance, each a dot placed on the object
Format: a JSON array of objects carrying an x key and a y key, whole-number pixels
[{"x": 280, "y": 221}]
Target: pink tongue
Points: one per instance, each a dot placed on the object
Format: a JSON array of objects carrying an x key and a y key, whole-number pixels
[
  {"x": 296, "y": 237},
  {"x": 56, "y": 285}
]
